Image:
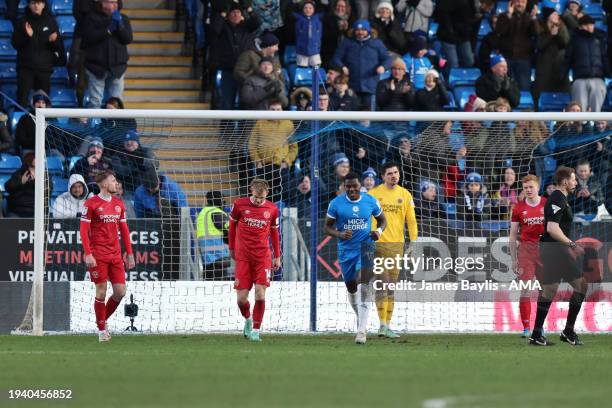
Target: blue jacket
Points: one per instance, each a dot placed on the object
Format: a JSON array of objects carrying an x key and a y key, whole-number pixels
[
  {"x": 145, "y": 204},
  {"x": 308, "y": 32},
  {"x": 416, "y": 69},
  {"x": 362, "y": 58},
  {"x": 587, "y": 55}
]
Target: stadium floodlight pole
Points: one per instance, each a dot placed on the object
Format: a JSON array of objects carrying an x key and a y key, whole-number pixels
[
  {"x": 39, "y": 225},
  {"x": 314, "y": 207}
]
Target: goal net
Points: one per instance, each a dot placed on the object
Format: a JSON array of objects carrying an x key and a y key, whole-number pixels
[{"x": 180, "y": 172}]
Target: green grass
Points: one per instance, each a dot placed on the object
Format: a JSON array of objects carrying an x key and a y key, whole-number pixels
[{"x": 308, "y": 371}]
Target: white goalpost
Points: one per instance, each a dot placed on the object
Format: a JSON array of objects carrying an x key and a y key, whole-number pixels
[{"x": 189, "y": 287}]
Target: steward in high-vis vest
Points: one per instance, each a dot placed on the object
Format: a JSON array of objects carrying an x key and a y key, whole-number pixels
[{"x": 212, "y": 231}]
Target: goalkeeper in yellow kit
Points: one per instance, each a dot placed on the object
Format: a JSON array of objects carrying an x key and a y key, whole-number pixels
[{"x": 398, "y": 207}]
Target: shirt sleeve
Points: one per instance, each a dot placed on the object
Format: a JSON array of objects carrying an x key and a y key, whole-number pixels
[
  {"x": 411, "y": 221},
  {"x": 377, "y": 208},
  {"x": 516, "y": 214},
  {"x": 553, "y": 211},
  {"x": 235, "y": 214},
  {"x": 87, "y": 214},
  {"x": 332, "y": 212}
]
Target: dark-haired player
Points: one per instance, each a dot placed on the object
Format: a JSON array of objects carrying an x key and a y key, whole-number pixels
[
  {"x": 558, "y": 253},
  {"x": 102, "y": 220},
  {"x": 349, "y": 218},
  {"x": 528, "y": 217},
  {"x": 253, "y": 223}
]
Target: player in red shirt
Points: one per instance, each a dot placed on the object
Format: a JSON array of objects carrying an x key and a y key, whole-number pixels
[
  {"x": 528, "y": 217},
  {"x": 253, "y": 222},
  {"x": 102, "y": 220}
]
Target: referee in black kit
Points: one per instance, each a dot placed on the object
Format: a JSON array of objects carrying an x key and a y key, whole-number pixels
[{"x": 559, "y": 262}]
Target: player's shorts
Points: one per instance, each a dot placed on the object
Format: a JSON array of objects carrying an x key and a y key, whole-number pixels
[
  {"x": 558, "y": 264},
  {"x": 529, "y": 260},
  {"x": 390, "y": 250},
  {"x": 106, "y": 270},
  {"x": 249, "y": 273},
  {"x": 357, "y": 264}
]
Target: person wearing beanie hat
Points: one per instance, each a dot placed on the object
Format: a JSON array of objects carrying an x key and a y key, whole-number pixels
[
  {"x": 262, "y": 86},
  {"x": 308, "y": 34},
  {"x": 572, "y": 14},
  {"x": 134, "y": 162},
  {"x": 248, "y": 61},
  {"x": 517, "y": 29},
  {"x": 363, "y": 58},
  {"x": 426, "y": 203},
  {"x": 553, "y": 39},
  {"x": 396, "y": 94},
  {"x": 25, "y": 132},
  {"x": 417, "y": 62},
  {"x": 389, "y": 30},
  {"x": 39, "y": 46},
  {"x": 587, "y": 57},
  {"x": 496, "y": 82},
  {"x": 474, "y": 203},
  {"x": 368, "y": 180},
  {"x": 433, "y": 96},
  {"x": 92, "y": 164}
]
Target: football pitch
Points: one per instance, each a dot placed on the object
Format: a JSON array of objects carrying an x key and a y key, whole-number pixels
[{"x": 418, "y": 370}]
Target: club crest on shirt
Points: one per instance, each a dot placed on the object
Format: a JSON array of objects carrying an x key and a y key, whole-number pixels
[
  {"x": 117, "y": 209},
  {"x": 355, "y": 209},
  {"x": 399, "y": 200},
  {"x": 266, "y": 214},
  {"x": 247, "y": 212}
]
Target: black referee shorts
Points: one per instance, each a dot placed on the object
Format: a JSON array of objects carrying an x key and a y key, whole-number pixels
[{"x": 558, "y": 264}]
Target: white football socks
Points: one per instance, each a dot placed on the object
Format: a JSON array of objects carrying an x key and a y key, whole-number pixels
[
  {"x": 353, "y": 299},
  {"x": 364, "y": 307}
]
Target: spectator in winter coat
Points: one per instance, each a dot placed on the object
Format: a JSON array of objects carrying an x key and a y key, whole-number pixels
[
  {"x": 105, "y": 36},
  {"x": 455, "y": 18},
  {"x": 301, "y": 99},
  {"x": 489, "y": 45},
  {"x": 389, "y": 29},
  {"x": 396, "y": 93},
  {"x": 516, "y": 28},
  {"x": 416, "y": 16},
  {"x": 343, "y": 98},
  {"x": 25, "y": 133},
  {"x": 70, "y": 204},
  {"x": 39, "y": 48},
  {"x": 308, "y": 33},
  {"x": 7, "y": 143},
  {"x": 261, "y": 87},
  {"x": 587, "y": 57},
  {"x": 363, "y": 58},
  {"x": 134, "y": 163},
  {"x": 147, "y": 203},
  {"x": 572, "y": 14},
  {"x": 231, "y": 33},
  {"x": 589, "y": 193},
  {"x": 496, "y": 83},
  {"x": 248, "y": 62},
  {"x": 269, "y": 14},
  {"x": 94, "y": 163},
  {"x": 434, "y": 96},
  {"x": 553, "y": 39},
  {"x": 473, "y": 203},
  {"x": 20, "y": 188},
  {"x": 417, "y": 62},
  {"x": 336, "y": 25},
  {"x": 426, "y": 204}
]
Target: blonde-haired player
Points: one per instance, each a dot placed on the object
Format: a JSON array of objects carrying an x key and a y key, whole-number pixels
[{"x": 398, "y": 207}]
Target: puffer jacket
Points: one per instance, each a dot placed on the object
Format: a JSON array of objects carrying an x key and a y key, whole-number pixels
[{"x": 587, "y": 56}]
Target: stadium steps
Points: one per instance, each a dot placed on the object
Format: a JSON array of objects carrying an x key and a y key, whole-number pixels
[{"x": 159, "y": 75}]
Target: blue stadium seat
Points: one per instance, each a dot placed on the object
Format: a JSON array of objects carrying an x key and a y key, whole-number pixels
[
  {"x": 8, "y": 72},
  {"x": 9, "y": 163},
  {"x": 66, "y": 25},
  {"x": 601, "y": 25},
  {"x": 62, "y": 7},
  {"x": 60, "y": 76},
  {"x": 302, "y": 76},
  {"x": 286, "y": 79},
  {"x": 452, "y": 105},
  {"x": 526, "y": 101},
  {"x": 14, "y": 117},
  {"x": 6, "y": 29},
  {"x": 553, "y": 101},
  {"x": 3, "y": 179},
  {"x": 60, "y": 186},
  {"x": 9, "y": 90},
  {"x": 462, "y": 94},
  {"x": 290, "y": 55},
  {"x": 55, "y": 165},
  {"x": 463, "y": 77},
  {"x": 72, "y": 161},
  {"x": 594, "y": 10},
  {"x": 7, "y": 52},
  {"x": 558, "y": 5},
  {"x": 484, "y": 29},
  {"x": 63, "y": 97},
  {"x": 433, "y": 30}
]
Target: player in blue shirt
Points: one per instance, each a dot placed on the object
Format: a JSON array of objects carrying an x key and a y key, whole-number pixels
[{"x": 349, "y": 218}]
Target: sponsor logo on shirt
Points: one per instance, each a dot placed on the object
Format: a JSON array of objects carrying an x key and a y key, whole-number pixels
[
  {"x": 254, "y": 222},
  {"x": 534, "y": 221},
  {"x": 109, "y": 218}
]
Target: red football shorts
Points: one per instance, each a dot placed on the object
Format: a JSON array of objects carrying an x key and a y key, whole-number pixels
[
  {"x": 249, "y": 273},
  {"x": 529, "y": 260},
  {"x": 108, "y": 269}
]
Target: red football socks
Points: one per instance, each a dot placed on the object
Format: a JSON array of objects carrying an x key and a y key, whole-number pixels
[
  {"x": 258, "y": 313},
  {"x": 525, "y": 309},
  {"x": 100, "y": 309},
  {"x": 245, "y": 309},
  {"x": 111, "y": 306}
]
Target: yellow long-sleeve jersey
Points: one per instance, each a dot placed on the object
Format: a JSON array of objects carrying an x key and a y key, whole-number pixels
[{"x": 398, "y": 207}]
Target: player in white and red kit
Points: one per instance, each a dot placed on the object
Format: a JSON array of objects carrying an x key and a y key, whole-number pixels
[
  {"x": 528, "y": 217},
  {"x": 102, "y": 220},
  {"x": 253, "y": 223}
]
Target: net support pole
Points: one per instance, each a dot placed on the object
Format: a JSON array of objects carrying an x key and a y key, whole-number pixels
[
  {"x": 39, "y": 225},
  {"x": 314, "y": 199}
]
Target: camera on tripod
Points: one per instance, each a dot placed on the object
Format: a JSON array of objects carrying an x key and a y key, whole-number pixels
[{"x": 131, "y": 311}]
